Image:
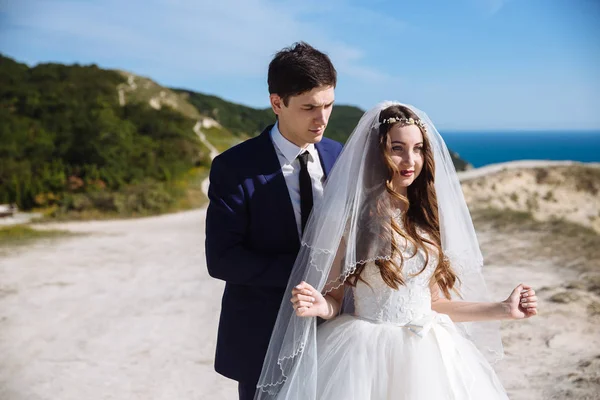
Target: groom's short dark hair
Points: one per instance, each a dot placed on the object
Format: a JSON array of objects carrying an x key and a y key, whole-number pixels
[{"x": 298, "y": 69}]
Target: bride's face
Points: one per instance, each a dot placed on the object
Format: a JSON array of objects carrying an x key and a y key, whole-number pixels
[{"x": 406, "y": 153}]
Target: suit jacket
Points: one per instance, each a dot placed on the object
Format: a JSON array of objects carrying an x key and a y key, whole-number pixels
[{"x": 251, "y": 243}]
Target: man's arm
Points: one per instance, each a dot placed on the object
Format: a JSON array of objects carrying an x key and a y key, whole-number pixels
[{"x": 227, "y": 257}]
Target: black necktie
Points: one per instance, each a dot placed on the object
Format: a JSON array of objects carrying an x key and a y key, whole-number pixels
[{"x": 306, "y": 194}]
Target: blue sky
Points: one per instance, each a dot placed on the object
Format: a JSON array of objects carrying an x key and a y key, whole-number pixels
[{"x": 470, "y": 64}]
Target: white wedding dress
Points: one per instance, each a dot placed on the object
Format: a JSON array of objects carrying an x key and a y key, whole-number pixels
[{"x": 395, "y": 347}]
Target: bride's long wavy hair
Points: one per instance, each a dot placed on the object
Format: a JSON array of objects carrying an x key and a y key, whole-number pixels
[{"x": 422, "y": 212}]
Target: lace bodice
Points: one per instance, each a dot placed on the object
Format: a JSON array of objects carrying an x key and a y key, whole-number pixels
[{"x": 380, "y": 303}]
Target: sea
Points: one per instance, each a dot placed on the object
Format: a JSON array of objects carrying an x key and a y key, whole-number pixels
[{"x": 483, "y": 148}]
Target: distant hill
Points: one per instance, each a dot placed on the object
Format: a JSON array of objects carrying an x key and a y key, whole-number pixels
[
  {"x": 566, "y": 191},
  {"x": 75, "y": 137},
  {"x": 67, "y": 140},
  {"x": 241, "y": 120},
  {"x": 139, "y": 89},
  {"x": 244, "y": 121}
]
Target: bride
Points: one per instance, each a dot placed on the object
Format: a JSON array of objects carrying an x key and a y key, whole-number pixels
[{"x": 391, "y": 266}]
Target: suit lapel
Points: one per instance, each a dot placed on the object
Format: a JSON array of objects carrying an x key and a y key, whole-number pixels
[
  {"x": 270, "y": 168},
  {"x": 326, "y": 156}
]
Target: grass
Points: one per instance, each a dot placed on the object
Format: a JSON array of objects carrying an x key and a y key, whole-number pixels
[
  {"x": 571, "y": 244},
  {"x": 501, "y": 218},
  {"x": 18, "y": 235},
  {"x": 191, "y": 189},
  {"x": 136, "y": 201},
  {"x": 221, "y": 138},
  {"x": 584, "y": 178},
  {"x": 587, "y": 179}
]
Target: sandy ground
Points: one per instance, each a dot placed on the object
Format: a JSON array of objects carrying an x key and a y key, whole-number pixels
[
  {"x": 555, "y": 355},
  {"x": 510, "y": 165},
  {"x": 126, "y": 310},
  {"x": 565, "y": 190}
]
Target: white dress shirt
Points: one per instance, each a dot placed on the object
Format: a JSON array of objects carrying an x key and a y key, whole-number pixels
[{"x": 287, "y": 153}]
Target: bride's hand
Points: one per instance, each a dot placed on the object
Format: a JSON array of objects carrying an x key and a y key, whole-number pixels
[
  {"x": 522, "y": 302},
  {"x": 308, "y": 302}
]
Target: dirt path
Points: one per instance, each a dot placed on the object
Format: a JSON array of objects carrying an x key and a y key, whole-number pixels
[
  {"x": 213, "y": 153},
  {"x": 213, "y": 150},
  {"x": 126, "y": 310}
]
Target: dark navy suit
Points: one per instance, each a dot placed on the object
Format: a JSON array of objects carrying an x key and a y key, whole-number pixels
[{"x": 251, "y": 243}]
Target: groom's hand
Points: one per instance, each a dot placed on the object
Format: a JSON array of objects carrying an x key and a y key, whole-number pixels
[{"x": 308, "y": 302}]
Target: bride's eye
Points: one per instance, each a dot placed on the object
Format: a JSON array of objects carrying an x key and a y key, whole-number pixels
[{"x": 397, "y": 148}]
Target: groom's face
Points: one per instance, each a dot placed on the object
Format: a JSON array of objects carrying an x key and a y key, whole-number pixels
[{"x": 304, "y": 119}]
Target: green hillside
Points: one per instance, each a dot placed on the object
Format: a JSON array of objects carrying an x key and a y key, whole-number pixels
[
  {"x": 67, "y": 143},
  {"x": 244, "y": 121},
  {"x": 81, "y": 139}
]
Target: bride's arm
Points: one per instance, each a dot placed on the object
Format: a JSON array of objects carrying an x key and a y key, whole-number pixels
[
  {"x": 308, "y": 302},
  {"x": 522, "y": 303},
  {"x": 334, "y": 302}
]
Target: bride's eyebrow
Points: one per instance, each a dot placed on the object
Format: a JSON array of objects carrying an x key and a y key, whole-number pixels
[{"x": 397, "y": 141}]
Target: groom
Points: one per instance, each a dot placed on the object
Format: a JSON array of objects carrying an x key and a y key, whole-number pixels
[{"x": 261, "y": 193}]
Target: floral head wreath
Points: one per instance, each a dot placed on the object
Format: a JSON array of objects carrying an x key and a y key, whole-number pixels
[{"x": 404, "y": 121}]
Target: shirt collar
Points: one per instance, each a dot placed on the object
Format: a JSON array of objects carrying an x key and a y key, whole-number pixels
[{"x": 289, "y": 150}]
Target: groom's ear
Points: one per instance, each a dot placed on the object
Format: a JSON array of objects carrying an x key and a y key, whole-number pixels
[{"x": 276, "y": 103}]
